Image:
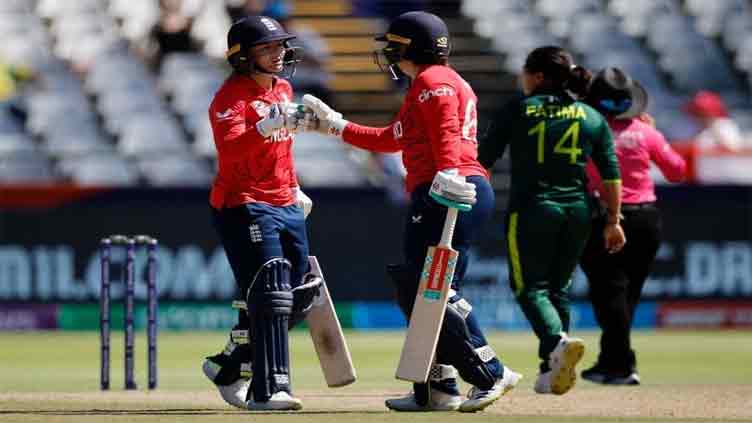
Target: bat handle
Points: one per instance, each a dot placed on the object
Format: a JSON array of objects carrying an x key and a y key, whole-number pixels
[{"x": 449, "y": 224}]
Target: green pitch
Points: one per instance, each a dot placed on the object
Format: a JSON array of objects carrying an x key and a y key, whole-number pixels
[{"x": 54, "y": 377}]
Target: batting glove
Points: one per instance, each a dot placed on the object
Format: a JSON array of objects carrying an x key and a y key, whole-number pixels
[
  {"x": 297, "y": 116},
  {"x": 271, "y": 123},
  {"x": 303, "y": 201},
  {"x": 291, "y": 116},
  {"x": 328, "y": 121},
  {"x": 451, "y": 190}
]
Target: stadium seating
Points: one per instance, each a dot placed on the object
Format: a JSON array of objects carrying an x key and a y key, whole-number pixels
[{"x": 100, "y": 105}]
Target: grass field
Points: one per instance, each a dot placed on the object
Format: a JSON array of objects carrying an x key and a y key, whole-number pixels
[{"x": 54, "y": 377}]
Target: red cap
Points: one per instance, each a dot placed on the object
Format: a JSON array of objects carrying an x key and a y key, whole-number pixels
[{"x": 706, "y": 104}]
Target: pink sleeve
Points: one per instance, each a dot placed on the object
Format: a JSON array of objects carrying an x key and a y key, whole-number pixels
[
  {"x": 440, "y": 112},
  {"x": 594, "y": 178},
  {"x": 670, "y": 163}
]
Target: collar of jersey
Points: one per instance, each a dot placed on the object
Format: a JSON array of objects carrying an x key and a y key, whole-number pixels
[{"x": 254, "y": 86}]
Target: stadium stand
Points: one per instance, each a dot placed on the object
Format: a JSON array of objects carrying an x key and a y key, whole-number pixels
[{"x": 102, "y": 105}]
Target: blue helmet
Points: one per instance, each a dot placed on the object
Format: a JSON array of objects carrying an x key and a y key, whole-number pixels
[
  {"x": 420, "y": 37},
  {"x": 252, "y": 31}
]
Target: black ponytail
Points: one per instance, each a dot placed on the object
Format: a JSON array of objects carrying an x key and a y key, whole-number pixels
[
  {"x": 579, "y": 81},
  {"x": 559, "y": 70}
]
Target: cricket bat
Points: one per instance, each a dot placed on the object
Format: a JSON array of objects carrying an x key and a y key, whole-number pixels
[
  {"x": 328, "y": 340},
  {"x": 430, "y": 303}
]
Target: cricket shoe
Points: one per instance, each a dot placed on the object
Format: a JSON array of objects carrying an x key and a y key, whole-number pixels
[
  {"x": 598, "y": 374},
  {"x": 279, "y": 401},
  {"x": 233, "y": 391},
  {"x": 478, "y": 399},
  {"x": 438, "y": 401},
  {"x": 562, "y": 361},
  {"x": 440, "y": 394}
]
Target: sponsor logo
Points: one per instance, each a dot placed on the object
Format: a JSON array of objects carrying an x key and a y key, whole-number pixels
[
  {"x": 426, "y": 95},
  {"x": 417, "y": 218},
  {"x": 226, "y": 115},
  {"x": 629, "y": 139},
  {"x": 442, "y": 42},
  {"x": 712, "y": 314}
]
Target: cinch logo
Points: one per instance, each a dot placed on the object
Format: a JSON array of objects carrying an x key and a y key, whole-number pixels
[
  {"x": 426, "y": 95},
  {"x": 442, "y": 42},
  {"x": 269, "y": 24}
]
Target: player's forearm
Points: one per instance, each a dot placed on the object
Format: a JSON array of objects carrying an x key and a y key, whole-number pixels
[
  {"x": 380, "y": 140},
  {"x": 612, "y": 197}
]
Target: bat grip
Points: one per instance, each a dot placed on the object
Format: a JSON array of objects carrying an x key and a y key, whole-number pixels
[{"x": 449, "y": 224}]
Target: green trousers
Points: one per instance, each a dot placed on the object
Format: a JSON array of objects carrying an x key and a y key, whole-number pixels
[{"x": 545, "y": 242}]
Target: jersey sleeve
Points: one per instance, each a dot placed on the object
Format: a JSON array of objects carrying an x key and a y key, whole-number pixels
[
  {"x": 438, "y": 106},
  {"x": 493, "y": 143},
  {"x": 234, "y": 128},
  {"x": 380, "y": 140},
  {"x": 671, "y": 164},
  {"x": 604, "y": 155}
]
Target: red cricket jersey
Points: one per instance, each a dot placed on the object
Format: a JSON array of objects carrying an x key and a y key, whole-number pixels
[
  {"x": 435, "y": 128},
  {"x": 251, "y": 168}
]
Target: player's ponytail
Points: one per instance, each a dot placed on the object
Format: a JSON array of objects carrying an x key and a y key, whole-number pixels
[
  {"x": 559, "y": 70},
  {"x": 579, "y": 81}
]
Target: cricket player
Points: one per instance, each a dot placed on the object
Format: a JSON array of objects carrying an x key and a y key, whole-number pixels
[
  {"x": 259, "y": 212},
  {"x": 436, "y": 131},
  {"x": 616, "y": 280},
  {"x": 551, "y": 136}
]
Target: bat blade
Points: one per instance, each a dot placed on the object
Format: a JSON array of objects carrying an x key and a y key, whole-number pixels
[
  {"x": 328, "y": 339},
  {"x": 428, "y": 314}
]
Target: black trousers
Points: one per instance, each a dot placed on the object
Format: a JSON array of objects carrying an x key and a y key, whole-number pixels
[{"x": 615, "y": 281}]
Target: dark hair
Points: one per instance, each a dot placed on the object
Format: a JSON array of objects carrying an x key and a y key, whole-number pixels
[{"x": 559, "y": 70}]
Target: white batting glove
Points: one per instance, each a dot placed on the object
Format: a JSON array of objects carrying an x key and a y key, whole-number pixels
[
  {"x": 297, "y": 116},
  {"x": 291, "y": 116},
  {"x": 303, "y": 201},
  {"x": 272, "y": 122},
  {"x": 451, "y": 189},
  {"x": 328, "y": 121}
]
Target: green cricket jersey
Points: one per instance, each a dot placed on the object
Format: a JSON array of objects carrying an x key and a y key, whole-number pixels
[{"x": 551, "y": 137}]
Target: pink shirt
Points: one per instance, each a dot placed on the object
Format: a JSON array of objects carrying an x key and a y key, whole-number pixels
[{"x": 637, "y": 144}]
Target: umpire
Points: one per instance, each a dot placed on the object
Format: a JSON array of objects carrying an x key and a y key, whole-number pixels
[{"x": 616, "y": 280}]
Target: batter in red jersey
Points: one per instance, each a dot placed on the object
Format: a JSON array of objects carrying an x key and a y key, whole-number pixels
[
  {"x": 259, "y": 212},
  {"x": 436, "y": 131}
]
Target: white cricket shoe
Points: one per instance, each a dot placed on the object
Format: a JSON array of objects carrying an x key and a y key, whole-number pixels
[
  {"x": 234, "y": 393},
  {"x": 438, "y": 401},
  {"x": 562, "y": 361},
  {"x": 279, "y": 401},
  {"x": 479, "y": 399}
]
